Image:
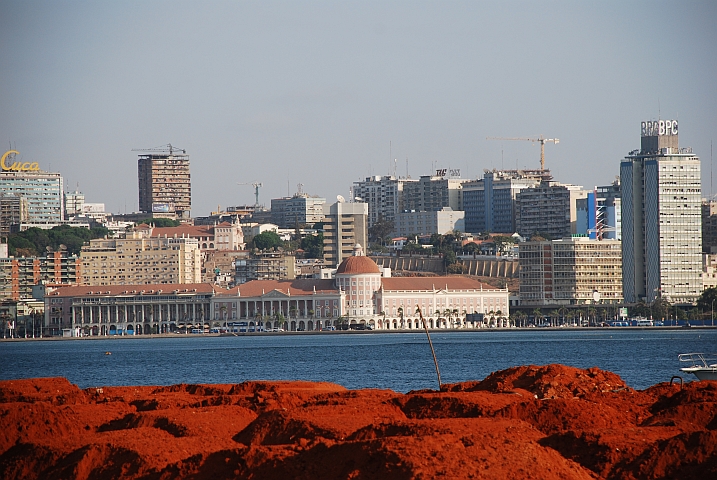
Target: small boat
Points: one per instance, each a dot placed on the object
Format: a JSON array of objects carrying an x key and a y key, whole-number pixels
[{"x": 701, "y": 365}]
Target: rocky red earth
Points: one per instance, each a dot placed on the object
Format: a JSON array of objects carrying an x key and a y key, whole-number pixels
[{"x": 525, "y": 422}]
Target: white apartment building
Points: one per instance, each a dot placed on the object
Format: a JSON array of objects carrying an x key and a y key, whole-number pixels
[
  {"x": 570, "y": 271},
  {"x": 384, "y": 196},
  {"x": 42, "y": 190},
  {"x": 661, "y": 218},
  {"x": 446, "y": 220},
  {"x": 344, "y": 227},
  {"x": 301, "y": 209}
]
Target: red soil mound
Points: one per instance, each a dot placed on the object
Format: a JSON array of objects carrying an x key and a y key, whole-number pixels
[{"x": 524, "y": 422}]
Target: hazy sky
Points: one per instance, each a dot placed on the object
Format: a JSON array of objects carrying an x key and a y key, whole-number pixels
[{"x": 315, "y": 92}]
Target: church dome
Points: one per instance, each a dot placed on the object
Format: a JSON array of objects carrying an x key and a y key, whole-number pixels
[{"x": 357, "y": 264}]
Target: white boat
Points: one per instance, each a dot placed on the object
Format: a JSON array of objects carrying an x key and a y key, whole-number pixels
[{"x": 701, "y": 365}]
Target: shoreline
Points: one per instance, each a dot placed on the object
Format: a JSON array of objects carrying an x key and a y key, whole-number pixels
[{"x": 361, "y": 332}]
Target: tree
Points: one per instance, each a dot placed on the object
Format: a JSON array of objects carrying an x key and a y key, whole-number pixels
[
  {"x": 267, "y": 240},
  {"x": 160, "y": 222},
  {"x": 455, "y": 268},
  {"x": 503, "y": 244},
  {"x": 380, "y": 230},
  {"x": 538, "y": 314},
  {"x": 411, "y": 247},
  {"x": 707, "y": 299},
  {"x": 313, "y": 245},
  {"x": 35, "y": 241}
]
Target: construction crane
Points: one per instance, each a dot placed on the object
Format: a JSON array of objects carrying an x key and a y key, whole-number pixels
[
  {"x": 539, "y": 139},
  {"x": 168, "y": 148},
  {"x": 256, "y": 186}
]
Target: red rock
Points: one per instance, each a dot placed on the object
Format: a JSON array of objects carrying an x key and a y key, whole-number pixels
[{"x": 525, "y": 422}]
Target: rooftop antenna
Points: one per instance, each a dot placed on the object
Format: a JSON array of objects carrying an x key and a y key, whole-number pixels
[
  {"x": 407, "y": 167},
  {"x": 390, "y": 156}
]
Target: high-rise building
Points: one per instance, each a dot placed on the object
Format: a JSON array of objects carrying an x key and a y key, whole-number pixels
[
  {"x": 384, "y": 196},
  {"x": 13, "y": 212},
  {"x": 19, "y": 275},
  {"x": 709, "y": 226},
  {"x": 434, "y": 192},
  {"x": 165, "y": 187},
  {"x": 570, "y": 271},
  {"x": 549, "y": 209},
  {"x": 301, "y": 209},
  {"x": 446, "y": 220},
  {"x": 139, "y": 259},
  {"x": 42, "y": 190},
  {"x": 344, "y": 227},
  {"x": 600, "y": 213},
  {"x": 74, "y": 204},
  {"x": 661, "y": 218},
  {"x": 490, "y": 202}
]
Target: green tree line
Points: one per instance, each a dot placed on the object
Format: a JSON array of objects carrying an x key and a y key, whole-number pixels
[{"x": 37, "y": 242}]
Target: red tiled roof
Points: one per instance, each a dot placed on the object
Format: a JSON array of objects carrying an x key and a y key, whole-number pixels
[
  {"x": 186, "y": 230},
  {"x": 433, "y": 283},
  {"x": 299, "y": 286},
  {"x": 154, "y": 289},
  {"x": 356, "y": 265}
]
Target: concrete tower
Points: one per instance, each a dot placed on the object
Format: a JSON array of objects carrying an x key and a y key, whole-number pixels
[{"x": 661, "y": 218}]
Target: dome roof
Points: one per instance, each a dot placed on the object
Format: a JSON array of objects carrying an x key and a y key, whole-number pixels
[{"x": 357, "y": 265}]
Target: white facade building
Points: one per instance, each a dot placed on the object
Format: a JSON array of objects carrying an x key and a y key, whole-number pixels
[
  {"x": 661, "y": 218},
  {"x": 443, "y": 221}
]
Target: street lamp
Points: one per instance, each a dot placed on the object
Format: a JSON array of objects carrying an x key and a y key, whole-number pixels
[{"x": 713, "y": 312}]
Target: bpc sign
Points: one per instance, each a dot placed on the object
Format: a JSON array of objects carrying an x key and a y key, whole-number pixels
[
  {"x": 17, "y": 166},
  {"x": 658, "y": 127}
]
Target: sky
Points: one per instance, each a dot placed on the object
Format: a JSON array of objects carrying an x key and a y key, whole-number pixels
[{"x": 324, "y": 94}]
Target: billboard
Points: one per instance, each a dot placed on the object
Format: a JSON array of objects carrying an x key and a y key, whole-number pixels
[{"x": 162, "y": 208}]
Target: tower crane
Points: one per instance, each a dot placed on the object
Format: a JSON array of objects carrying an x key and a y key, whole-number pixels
[
  {"x": 539, "y": 139},
  {"x": 168, "y": 148},
  {"x": 256, "y": 186}
]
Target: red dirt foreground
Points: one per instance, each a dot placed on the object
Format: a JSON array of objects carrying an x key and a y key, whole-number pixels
[{"x": 525, "y": 422}]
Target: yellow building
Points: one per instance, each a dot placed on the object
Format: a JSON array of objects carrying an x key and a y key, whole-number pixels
[
  {"x": 138, "y": 259},
  {"x": 570, "y": 271}
]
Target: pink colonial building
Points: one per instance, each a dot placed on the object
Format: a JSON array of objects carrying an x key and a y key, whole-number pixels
[{"x": 360, "y": 295}]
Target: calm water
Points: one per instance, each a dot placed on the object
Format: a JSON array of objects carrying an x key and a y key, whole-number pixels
[{"x": 400, "y": 362}]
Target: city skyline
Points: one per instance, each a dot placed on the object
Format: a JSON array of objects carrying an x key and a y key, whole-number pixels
[{"x": 325, "y": 94}]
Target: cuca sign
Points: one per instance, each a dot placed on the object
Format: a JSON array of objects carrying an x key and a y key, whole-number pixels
[{"x": 17, "y": 166}]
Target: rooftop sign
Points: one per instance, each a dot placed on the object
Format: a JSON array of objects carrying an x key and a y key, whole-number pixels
[
  {"x": 658, "y": 127},
  {"x": 17, "y": 166}
]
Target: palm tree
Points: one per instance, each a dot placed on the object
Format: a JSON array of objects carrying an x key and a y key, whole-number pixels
[
  {"x": 554, "y": 317},
  {"x": 400, "y": 314},
  {"x": 591, "y": 313},
  {"x": 538, "y": 314}
]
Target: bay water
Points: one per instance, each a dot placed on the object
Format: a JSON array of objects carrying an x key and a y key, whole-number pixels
[{"x": 396, "y": 361}]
